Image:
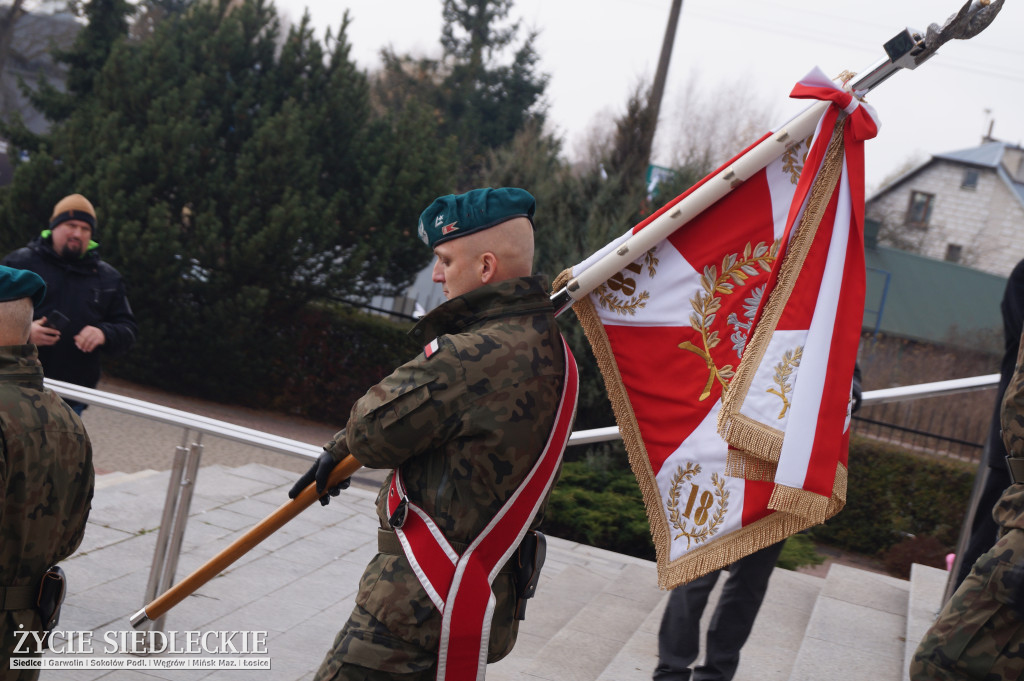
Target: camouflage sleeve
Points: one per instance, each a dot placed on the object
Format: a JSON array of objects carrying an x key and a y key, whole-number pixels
[
  {"x": 1012, "y": 414},
  {"x": 978, "y": 635},
  {"x": 337, "y": 447},
  {"x": 408, "y": 412},
  {"x": 3, "y": 471},
  {"x": 82, "y": 487}
]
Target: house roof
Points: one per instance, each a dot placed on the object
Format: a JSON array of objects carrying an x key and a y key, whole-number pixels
[
  {"x": 986, "y": 155},
  {"x": 914, "y": 297}
]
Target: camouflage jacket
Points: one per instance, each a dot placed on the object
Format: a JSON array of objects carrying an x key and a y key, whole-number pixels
[
  {"x": 980, "y": 632},
  {"x": 465, "y": 421},
  {"x": 1012, "y": 414},
  {"x": 46, "y": 474},
  {"x": 1009, "y": 510}
]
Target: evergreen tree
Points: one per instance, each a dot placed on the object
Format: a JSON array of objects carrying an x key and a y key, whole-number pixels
[
  {"x": 487, "y": 101},
  {"x": 484, "y": 90},
  {"x": 107, "y": 24},
  {"x": 235, "y": 182}
]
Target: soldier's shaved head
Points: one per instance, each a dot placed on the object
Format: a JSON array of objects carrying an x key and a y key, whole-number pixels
[
  {"x": 504, "y": 251},
  {"x": 15, "y": 321},
  {"x": 511, "y": 243}
]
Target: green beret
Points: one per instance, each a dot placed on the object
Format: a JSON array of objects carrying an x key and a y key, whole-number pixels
[
  {"x": 452, "y": 216},
  {"x": 18, "y": 284}
]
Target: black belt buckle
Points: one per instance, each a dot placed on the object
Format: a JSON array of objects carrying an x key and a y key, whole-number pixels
[
  {"x": 397, "y": 519},
  {"x": 529, "y": 559},
  {"x": 52, "y": 589},
  {"x": 1016, "y": 468}
]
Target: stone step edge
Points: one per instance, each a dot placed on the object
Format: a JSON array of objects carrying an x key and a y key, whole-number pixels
[{"x": 105, "y": 480}]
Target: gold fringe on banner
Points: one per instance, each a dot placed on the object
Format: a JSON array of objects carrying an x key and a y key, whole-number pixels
[
  {"x": 629, "y": 429},
  {"x": 749, "y": 436},
  {"x": 743, "y": 434},
  {"x": 729, "y": 548},
  {"x": 815, "y": 508},
  {"x": 726, "y": 550},
  {"x": 739, "y": 464},
  {"x": 839, "y": 489}
]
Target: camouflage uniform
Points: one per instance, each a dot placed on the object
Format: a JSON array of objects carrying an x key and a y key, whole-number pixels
[
  {"x": 46, "y": 484},
  {"x": 466, "y": 425},
  {"x": 980, "y": 632}
]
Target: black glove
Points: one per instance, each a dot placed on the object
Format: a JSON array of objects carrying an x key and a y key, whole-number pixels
[
  {"x": 1014, "y": 581},
  {"x": 319, "y": 472}
]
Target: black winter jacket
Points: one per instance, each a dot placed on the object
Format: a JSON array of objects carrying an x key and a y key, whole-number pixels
[{"x": 91, "y": 293}]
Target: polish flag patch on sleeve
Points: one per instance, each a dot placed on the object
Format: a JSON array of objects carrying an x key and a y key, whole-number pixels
[{"x": 431, "y": 348}]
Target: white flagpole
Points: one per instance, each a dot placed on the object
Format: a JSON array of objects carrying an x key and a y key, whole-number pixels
[{"x": 906, "y": 50}]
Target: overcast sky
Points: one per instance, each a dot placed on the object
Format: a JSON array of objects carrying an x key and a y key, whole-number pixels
[{"x": 596, "y": 51}]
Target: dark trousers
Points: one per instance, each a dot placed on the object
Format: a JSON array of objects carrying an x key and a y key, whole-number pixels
[
  {"x": 985, "y": 530},
  {"x": 679, "y": 636}
]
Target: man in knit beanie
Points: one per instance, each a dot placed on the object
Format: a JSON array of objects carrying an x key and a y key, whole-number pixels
[{"x": 86, "y": 308}]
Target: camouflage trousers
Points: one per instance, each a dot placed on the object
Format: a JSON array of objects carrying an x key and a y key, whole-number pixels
[
  {"x": 9, "y": 623},
  {"x": 364, "y": 637},
  {"x": 978, "y": 634},
  {"x": 394, "y": 629}
]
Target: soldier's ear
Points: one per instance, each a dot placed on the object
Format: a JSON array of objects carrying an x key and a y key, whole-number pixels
[{"x": 488, "y": 267}]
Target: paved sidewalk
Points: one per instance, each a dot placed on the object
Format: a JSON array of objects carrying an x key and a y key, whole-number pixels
[{"x": 128, "y": 444}]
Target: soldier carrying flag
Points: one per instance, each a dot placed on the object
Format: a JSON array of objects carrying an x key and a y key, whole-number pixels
[{"x": 473, "y": 428}]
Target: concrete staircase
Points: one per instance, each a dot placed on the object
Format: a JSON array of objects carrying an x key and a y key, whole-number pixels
[
  {"x": 595, "y": 618},
  {"x": 853, "y": 624}
]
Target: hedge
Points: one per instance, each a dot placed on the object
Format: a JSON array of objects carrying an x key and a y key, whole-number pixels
[
  {"x": 894, "y": 494},
  {"x": 316, "y": 366}
]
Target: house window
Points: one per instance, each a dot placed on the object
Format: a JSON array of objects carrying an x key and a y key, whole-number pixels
[
  {"x": 953, "y": 252},
  {"x": 920, "y": 209},
  {"x": 970, "y": 180}
]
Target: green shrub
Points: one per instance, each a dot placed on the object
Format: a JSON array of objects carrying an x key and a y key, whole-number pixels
[
  {"x": 924, "y": 549},
  {"x": 599, "y": 506},
  {"x": 797, "y": 552},
  {"x": 316, "y": 366},
  {"x": 335, "y": 355},
  {"x": 893, "y": 494}
]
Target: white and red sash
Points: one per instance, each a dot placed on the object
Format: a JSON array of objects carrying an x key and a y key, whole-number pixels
[{"x": 460, "y": 586}]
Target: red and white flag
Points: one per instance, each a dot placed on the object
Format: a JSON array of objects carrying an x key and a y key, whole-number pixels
[{"x": 669, "y": 332}]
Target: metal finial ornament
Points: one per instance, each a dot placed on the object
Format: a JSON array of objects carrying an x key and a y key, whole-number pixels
[{"x": 973, "y": 18}]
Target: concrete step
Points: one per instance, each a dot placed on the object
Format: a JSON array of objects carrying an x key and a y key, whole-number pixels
[
  {"x": 927, "y": 586},
  {"x": 771, "y": 651},
  {"x": 856, "y": 630},
  {"x": 602, "y": 621},
  {"x": 638, "y": 656},
  {"x": 561, "y": 594},
  {"x": 117, "y": 477}
]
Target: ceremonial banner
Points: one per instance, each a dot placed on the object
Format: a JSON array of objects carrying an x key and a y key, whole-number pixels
[{"x": 669, "y": 332}]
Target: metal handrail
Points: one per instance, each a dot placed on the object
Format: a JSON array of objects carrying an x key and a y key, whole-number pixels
[
  {"x": 177, "y": 417},
  {"x": 283, "y": 445},
  {"x": 884, "y": 395}
]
